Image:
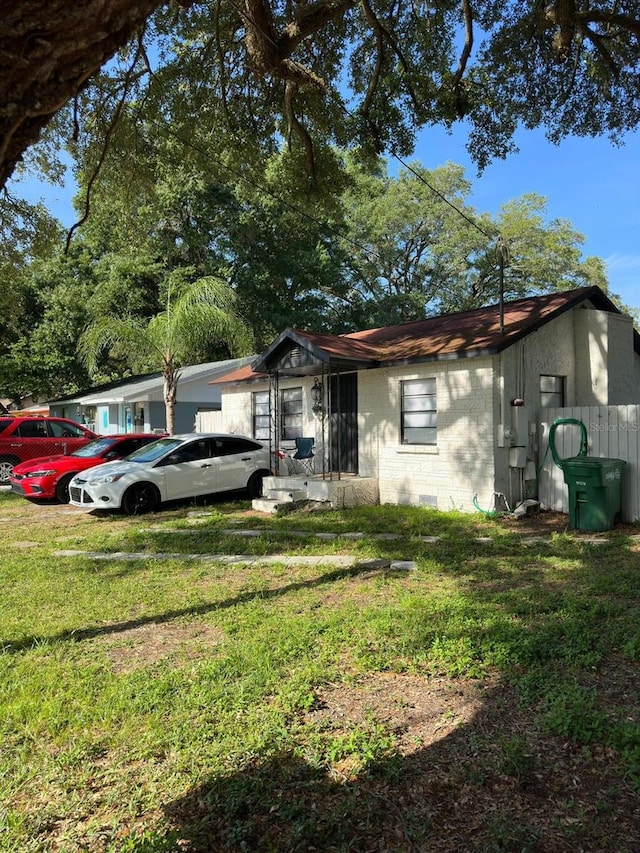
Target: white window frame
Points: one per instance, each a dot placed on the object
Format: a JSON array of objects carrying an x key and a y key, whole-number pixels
[
  {"x": 418, "y": 412},
  {"x": 291, "y": 408}
]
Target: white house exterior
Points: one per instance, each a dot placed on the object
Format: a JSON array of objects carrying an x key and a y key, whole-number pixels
[
  {"x": 137, "y": 405},
  {"x": 441, "y": 412}
]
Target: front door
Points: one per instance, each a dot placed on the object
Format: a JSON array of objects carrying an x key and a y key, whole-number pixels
[{"x": 344, "y": 423}]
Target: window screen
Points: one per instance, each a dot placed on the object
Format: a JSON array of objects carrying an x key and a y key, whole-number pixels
[
  {"x": 419, "y": 412},
  {"x": 261, "y": 415}
]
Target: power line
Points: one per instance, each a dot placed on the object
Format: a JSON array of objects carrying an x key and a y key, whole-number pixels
[
  {"x": 252, "y": 183},
  {"x": 343, "y": 107},
  {"x": 440, "y": 195}
]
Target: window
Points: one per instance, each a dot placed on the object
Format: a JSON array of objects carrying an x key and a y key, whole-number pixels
[
  {"x": 128, "y": 446},
  {"x": 65, "y": 429},
  {"x": 32, "y": 429},
  {"x": 551, "y": 392},
  {"x": 419, "y": 413},
  {"x": 191, "y": 452},
  {"x": 291, "y": 413},
  {"x": 232, "y": 444},
  {"x": 261, "y": 415}
]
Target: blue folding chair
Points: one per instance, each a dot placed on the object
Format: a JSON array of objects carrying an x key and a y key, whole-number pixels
[{"x": 304, "y": 453}]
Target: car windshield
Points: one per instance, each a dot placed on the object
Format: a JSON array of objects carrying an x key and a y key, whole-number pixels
[
  {"x": 94, "y": 448},
  {"x": 155, "y": 450}
]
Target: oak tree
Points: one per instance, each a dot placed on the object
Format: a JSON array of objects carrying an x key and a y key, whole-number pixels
[{"x": 357, "y": 72}]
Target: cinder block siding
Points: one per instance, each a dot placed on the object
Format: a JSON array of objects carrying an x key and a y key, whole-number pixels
[
  {"x": 550, "y": 351},
  {"x": 460, "y": 465},
  {"x": 237, "y": 409}
]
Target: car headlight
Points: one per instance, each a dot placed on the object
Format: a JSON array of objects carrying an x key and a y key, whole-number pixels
[
  {"x": 40, "y": 474},
  {"x": 104, "y": 479}
]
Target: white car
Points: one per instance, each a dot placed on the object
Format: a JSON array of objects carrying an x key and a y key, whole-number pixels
[{"x": 175, "y": 467}]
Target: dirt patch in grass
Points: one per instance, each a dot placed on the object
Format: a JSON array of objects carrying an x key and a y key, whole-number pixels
[
  {"x": 417, "y": 711},
  {"x": 472, "y": 770},
  {"x": 144, "y": 645},
  {"x": 547, "y": 522}
]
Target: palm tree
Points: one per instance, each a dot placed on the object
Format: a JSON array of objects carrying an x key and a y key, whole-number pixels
[{"x": 202, "y": 315}]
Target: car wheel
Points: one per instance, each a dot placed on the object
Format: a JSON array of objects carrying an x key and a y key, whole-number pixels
[
  {"x": 7, "y": 464},
  {"x": 140, "y": 498},
  {"x": 62, "y": 489},
  {"x": 254, "y": 486}
]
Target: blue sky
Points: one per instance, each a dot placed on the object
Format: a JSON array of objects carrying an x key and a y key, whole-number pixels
[{"x": 590, "y": 182}]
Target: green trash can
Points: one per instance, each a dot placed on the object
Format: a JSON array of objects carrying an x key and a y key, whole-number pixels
[{"x": 595, "y": 491}]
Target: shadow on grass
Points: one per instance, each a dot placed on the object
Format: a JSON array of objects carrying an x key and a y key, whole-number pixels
[
  {"x": 531, "y": 768},
  {"x": 495, "y": 783},
  {"x": 80, "y": 634},
  {"x": 544, "y": 764}
]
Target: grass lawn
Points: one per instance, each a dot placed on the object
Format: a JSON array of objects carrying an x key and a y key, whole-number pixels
[{"x": 156, "y": 697}]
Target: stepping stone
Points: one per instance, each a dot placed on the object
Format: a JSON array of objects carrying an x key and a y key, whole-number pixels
[
  {"x": 403, "y": 566},
  {"x": 340, "y": 561}
]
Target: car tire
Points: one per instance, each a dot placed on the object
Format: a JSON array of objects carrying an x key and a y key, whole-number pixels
[
  {"x": 7, "y": 464},
  {"x": 62, "y": 488},
  {"x": 254, "y": 486},
  {"x": 140, "y": 498}
]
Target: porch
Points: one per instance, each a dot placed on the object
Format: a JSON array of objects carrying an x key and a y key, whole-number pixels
[{"x": 337, "y": 493}]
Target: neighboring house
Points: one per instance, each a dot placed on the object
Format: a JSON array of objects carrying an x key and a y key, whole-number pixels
[
  {"x": 27, "y": 405},
  {"x": 137, "y": 404},
  {"x": 443, "y": 411}
]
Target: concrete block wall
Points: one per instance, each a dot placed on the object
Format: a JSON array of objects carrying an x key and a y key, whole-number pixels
[
  {"x": 236, "y": 414},
  {"x": 236, "y": 409},
  {"x": 446, "y": 475}
]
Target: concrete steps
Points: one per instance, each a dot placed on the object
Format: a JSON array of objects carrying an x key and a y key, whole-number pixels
[{"x": 277, "y": 492}]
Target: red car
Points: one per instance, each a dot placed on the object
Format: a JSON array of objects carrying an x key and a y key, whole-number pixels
[
  {"x": 48, "y": 478},
  {"x": 27, "y": 437}
]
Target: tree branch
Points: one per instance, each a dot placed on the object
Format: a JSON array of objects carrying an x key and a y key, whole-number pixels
[
  {"x": 296, "y": 125},
  {"x": 384, "y": 35},
  {"x": 271, "y": 53},
  {"x": 128, "y": 80},
  {"x": 47, "y": 53},
  {"x": 597, "y": 16},
  {"x": 468, "y": 43},
  {"x": 602, "y": 51}
]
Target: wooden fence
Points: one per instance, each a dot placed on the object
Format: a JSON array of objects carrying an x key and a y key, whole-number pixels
[
  {"x": 612, "y": 431},
  {"x": 209, "y": 422}
]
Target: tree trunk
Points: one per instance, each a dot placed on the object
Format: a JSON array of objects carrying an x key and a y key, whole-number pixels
[
  {"x": 171, "y": 376},
  {"x": 48, "y": 50}
]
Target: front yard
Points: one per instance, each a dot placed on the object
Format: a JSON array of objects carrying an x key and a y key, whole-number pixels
[{"x": 437, "y": 682}]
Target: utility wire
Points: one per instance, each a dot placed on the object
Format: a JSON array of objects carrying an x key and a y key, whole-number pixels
[
  {"x": 243, "y": 14},
  {"x": 369, "y": 253},
  {"x": 440, "y": 195},
  {"x": 189, "y": 143}
]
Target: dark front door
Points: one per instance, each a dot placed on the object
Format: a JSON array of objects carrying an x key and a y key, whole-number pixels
[{"x": 344, "y": 423}]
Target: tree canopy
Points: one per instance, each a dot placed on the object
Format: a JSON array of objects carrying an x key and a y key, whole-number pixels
[
  {"x": 363, "y": 73},
  {"x": 201, "y": 313},
  {"x": 380, "y": 248}
]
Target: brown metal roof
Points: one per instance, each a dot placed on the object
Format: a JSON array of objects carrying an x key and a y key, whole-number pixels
[{"x": 468, "y": 333}]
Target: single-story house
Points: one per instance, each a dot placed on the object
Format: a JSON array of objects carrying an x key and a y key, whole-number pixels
[
  {"x": 443, "y": 411},
  {"x": 137, "y": 404}
]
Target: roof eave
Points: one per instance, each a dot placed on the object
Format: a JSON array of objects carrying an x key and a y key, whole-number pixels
[{"x": 260, "y": 365}]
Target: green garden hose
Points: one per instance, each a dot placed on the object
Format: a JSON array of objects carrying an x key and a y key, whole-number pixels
[{"x": 583, "y": 438}]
